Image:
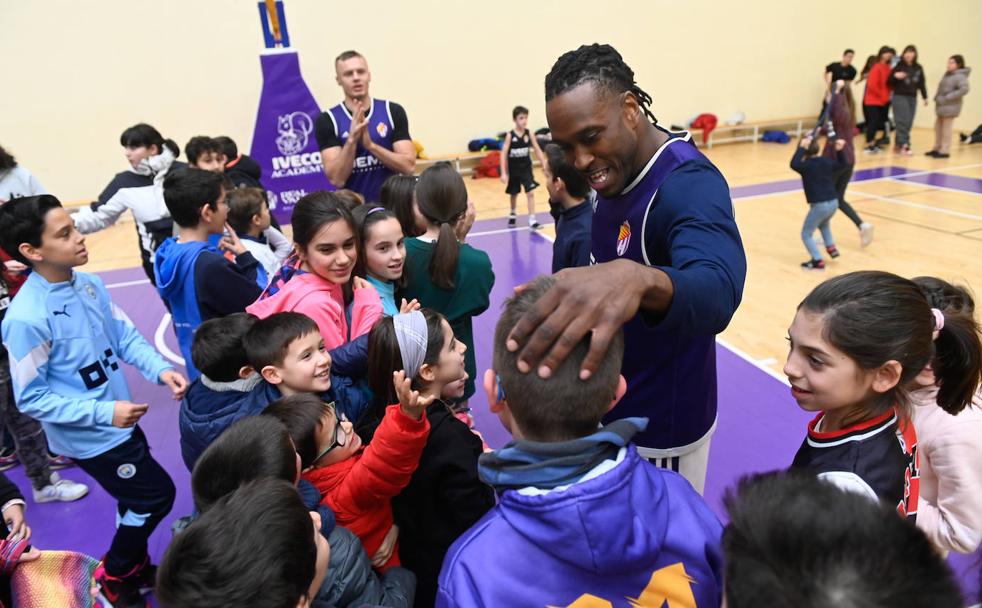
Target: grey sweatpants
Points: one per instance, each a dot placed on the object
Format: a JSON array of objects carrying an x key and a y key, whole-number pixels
[{"x": 904, "y": 108}]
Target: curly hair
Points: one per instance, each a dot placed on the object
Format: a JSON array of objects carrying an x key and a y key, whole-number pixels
[{"x": 601, "y": 65}]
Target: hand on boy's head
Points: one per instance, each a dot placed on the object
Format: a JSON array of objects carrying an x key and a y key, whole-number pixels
[
  {"x": 406, "y": 307},
  {"x": 231, "y": 242},
  {"x": 410, "y": 402},
  {"x": 177, "y": 383},
  {"x": 597, "y": 299},
  {"x": 126, "y": 413}
]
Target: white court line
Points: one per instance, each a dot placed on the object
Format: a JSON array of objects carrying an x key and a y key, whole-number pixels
[
  {"x": 158, "y": 340},
  {"x": 903, "y": 203},
  {"x": 503, "y": 230},
  {"x": 127, "y": 283},
  {"x": 864, "y": 181},
  {"x": 900, "y": 179}
]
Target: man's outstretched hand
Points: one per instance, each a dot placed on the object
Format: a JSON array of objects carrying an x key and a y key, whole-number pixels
[{"x": 598, "y": 299}]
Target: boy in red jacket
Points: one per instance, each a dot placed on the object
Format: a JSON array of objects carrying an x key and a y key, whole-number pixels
[{"x": 358, "y": 485}]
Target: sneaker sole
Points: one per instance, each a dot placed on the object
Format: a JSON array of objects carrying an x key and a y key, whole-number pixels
[{"x": 44, "y": 499}]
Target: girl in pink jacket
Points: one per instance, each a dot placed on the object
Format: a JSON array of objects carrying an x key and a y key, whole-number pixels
[
  {"x": 948, "y": 418},
  {"x": 317, "y": 280}
]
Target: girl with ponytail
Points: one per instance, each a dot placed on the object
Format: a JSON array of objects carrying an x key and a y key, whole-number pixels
[
  {"x": 441, "y": 273},
  {"x": 947, "y": 410}
]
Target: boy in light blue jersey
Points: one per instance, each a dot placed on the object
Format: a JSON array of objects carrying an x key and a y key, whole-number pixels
[{"x": 66, "y": 341}]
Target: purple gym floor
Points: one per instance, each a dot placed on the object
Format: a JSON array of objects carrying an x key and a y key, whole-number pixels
[{"x": 759, "y": 429}]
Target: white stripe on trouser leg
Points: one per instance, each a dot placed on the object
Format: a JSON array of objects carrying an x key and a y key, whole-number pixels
[
  {"x": 692, "y": 466},
  {"x": 132, "y": 519}
]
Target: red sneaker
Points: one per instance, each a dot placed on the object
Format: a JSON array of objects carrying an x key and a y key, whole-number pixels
[{"x": 122, "y": 591}]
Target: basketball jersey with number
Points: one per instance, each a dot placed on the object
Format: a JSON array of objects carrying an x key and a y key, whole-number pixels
[{"x": 368, "y": 173}]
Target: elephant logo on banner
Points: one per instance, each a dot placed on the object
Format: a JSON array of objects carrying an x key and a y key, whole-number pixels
[{"x": 294, "y": 130}]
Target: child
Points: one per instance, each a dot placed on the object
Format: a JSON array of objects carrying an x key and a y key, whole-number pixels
[
  {"x": 242, "y": 169},
  {"x": 205, "y": 153},
  {"x": 287, "y": 350},
  {"x": 195, "y": 280},
  {"x": 876, "y": 100},
  {"x": 16, "y": 181},
  {"x": 451, "y": 278},
  {"x": 15, "y": 535},
  {"x": 357, "y": 484},
  {"x": 327, "y": 249},
  {"x": 818, "y": 179},
  {"x": 66, "y": 340},
  {"x": 248, "y": 215},
  {"x": 227, "y": 558},
  {"x": 581, "y": 518},
  {"x": 568, "y": 193},
  {"x": 842, "y": 115},
  {"x": 151, "y": 159},
  {"x": 445, "y": 497},
  {"x": 223, "y": 392},
  {"x": 857, "y": 341},
  {"x": 351, "y": 199},
  {"x": 948, "y": 418},
  {"x": 397, "y": 196},
  {"x": 516, "y": 165},
  {"x": 906, "y": 79},
  {"x": 30, "y": 442},
  {"x": 260, "y": 447},
  {"x": 794, "y": 540},
  {"x": 382, "y": 256}
]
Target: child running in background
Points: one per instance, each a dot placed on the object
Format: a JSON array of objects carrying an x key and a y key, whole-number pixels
[
  {"x": 382, "y": 257},
  {"x": 842, "y": 115},
  {"x": 857, "y": 342},
  {"x": 319, "y": 282},
  {"x": 445, "y": 497},
  {"x": 453, "y": 279},
  {"x": 818, "y": 179},
  {"x": 516, "y": 165},
  {"x": 948, "y": 417}
]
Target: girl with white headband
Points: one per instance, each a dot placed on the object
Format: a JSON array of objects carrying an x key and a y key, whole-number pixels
[
  {"x": 856, "y": 344},
  {"x": 445, "y": 496},
  {"x": 947, "y": 411}
]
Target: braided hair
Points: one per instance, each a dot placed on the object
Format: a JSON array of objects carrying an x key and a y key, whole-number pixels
[{"x": 600, "y": 64}]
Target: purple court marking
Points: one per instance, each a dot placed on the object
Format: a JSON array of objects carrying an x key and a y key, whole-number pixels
[
  {"x": 793, "y": 185},
  {"x": 760, "y": 427},
  {"x": 946, "y": 180}
]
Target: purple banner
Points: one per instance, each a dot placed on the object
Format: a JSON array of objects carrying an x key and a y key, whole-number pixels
[{"x": 283, "y": 141}]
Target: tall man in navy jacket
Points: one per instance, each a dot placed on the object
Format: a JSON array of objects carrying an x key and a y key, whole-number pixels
[{"x": 670, "y": 264}]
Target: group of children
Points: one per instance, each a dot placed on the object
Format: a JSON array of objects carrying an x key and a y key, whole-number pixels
[{"x": 334, "y": 461}]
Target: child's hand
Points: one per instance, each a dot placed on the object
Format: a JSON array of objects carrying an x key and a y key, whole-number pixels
[
  {"x": 14, "y": 267},
  {"x": 410, "y": 402},
  {"x": 387, "y": 547},
  {"x": 360, "y": 283},
  {"x": 840, "y": 144},
  {"x": 504, "y": 178},
  {"x": 231, "y": 242},
  {"x": 177, "y": 383},
  {"x": 127, "y": 413},
  {"x": 408, "y": 306},
  {"x": 466, "y": 223},
  {"x": 899, "y": 75},
  {"x": 14, "y": 517},
  {"x": 806, "y": 141}
]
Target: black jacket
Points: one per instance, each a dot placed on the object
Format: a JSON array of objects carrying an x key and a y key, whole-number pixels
[
  {"x": 245, "y": 172},
  {"x": 444, "y": 498},
  {"x": 910, "y": 85}
]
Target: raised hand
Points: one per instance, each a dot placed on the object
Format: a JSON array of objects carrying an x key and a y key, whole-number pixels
[
  {"x": 410, "y": 402},
  {"x": 408, "y": 306},
  {"x": 231, "y": 242}
]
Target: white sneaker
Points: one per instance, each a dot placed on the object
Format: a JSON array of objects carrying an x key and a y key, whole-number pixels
[
  {"x": 64, "y": 490},
  {"x": 865, "y": 234}
]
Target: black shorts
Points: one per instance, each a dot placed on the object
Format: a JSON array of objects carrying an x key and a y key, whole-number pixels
[{"x": 521, "y": 179}]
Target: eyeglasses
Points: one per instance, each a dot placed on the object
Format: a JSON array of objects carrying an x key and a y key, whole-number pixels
[{"x": 340, "y": 438}]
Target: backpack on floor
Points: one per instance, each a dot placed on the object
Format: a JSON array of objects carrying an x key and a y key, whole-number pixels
[
  {"x": 776, "y": 137},
  {"x": 489, "y": 166}
]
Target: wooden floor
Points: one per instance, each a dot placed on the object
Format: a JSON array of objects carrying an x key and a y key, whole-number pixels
[{"x": 919, "y": 229}]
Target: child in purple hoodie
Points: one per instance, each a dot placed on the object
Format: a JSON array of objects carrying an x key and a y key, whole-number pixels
[{"x": 581, "y": 519}]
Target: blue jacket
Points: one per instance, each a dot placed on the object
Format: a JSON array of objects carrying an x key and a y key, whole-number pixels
[
  {"x": 66, "y": 341},
  {"x": 198, "y": 284},
  {"x": 634, "y": 531},
  {"x": 207, "y": 412},
  {"x": 574, "y": 228}
]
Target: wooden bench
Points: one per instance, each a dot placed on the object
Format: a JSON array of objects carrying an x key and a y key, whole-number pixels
[
  {"x": 751, "y": 131},
  {"x": 463, "y": 162}
]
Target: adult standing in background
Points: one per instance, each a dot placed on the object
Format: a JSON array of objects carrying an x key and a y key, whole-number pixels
[
  {"x": 363, "y": 141},
  {"x": 948, "y": 104},
  {"x": 906, "y": 79}
]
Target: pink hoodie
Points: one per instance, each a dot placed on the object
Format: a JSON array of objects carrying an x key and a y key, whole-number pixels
[
  {"x": 950, "y": 509},
  {"x": 323, "y": 302}
]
